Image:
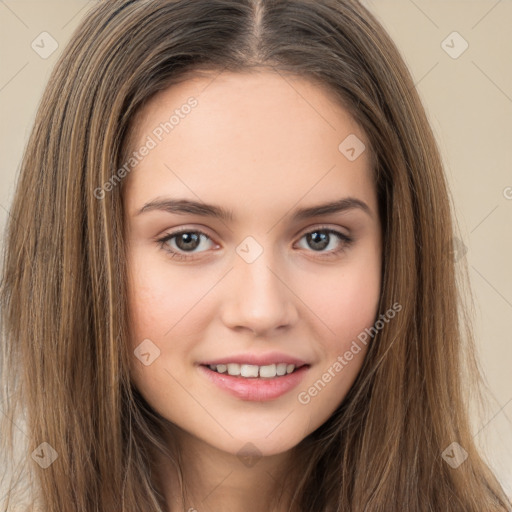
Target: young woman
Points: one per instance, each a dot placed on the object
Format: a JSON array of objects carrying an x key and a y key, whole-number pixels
[{"x": 228, "y": 282}]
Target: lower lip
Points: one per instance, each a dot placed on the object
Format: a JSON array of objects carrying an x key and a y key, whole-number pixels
[{"x": 256, "y": 389}]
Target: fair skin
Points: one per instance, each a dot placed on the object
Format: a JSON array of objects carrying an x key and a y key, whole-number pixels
[{"x": 262, "y": 147}]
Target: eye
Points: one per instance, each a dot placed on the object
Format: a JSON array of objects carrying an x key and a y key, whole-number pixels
[
  {"x": 179, "y": 243},
  {"x": 326, "y": 238},
  {"x": 183, "y": 244}
]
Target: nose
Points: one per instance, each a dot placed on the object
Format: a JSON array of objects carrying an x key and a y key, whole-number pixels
[{"x": 259, "y": 298}]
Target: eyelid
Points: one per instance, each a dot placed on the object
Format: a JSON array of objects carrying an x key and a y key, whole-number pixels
[
  {"x": 187, "y": 229},
  {"x": 322, "y": 227},
  {"x": 168, "y": 236}
]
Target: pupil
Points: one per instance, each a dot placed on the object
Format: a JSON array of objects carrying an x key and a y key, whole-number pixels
[
  {"x": 322, "y": 239},
  {"x": 191, "y": 240}
]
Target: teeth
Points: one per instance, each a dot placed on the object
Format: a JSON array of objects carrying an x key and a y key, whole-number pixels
[
  {"x": 233, "y": 369},
  {"x": 249, "y": 370},
  {"x": 268, "y": 371},
  {"x": 281, "y": 368}
]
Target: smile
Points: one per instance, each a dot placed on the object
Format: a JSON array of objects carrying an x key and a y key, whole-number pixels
[
  {"x": 268, "y": 371},
  {"x": 255, "y": 383}
]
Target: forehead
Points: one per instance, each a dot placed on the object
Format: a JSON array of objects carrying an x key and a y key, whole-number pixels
[{"x": 264, "y": 134}]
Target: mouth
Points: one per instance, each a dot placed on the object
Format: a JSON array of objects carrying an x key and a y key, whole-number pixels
[
  {"x": 252, "y": 371},
  {"x": 255, "y": 383}
]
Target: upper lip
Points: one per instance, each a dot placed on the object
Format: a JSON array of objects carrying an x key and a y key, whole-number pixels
[{"x": 257, "y": 359}]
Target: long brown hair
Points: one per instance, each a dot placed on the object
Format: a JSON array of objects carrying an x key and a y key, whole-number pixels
[{"x": 63, "y": 296}]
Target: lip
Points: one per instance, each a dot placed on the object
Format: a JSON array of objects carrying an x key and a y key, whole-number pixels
[
  {"x": 257, "y": 359},
  {"x": 255, "y": 389}
]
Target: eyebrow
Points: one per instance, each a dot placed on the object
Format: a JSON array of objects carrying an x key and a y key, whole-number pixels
[{"x": 186, "y": 206}]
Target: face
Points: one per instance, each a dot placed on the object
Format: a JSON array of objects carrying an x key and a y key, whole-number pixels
[{"x": 233, "y": 264}]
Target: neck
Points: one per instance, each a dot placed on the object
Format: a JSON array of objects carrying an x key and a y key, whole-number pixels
[{"x": 216, "y": 480}]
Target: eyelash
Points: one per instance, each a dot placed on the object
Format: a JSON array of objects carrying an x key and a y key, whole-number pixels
[{"x": 346, "y": 242}]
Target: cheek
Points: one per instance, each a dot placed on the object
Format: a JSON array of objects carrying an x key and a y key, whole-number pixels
[
  {"x": 346, "y": 300},
  {"x": 163, "y": 299},
  {"x": 167, "y": 307},
  {"x": 348, "y": 308},
  {"x": 161, "y": 310}
]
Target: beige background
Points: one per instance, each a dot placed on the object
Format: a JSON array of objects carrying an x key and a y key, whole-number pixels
[{"x": 469, "y": 103}]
